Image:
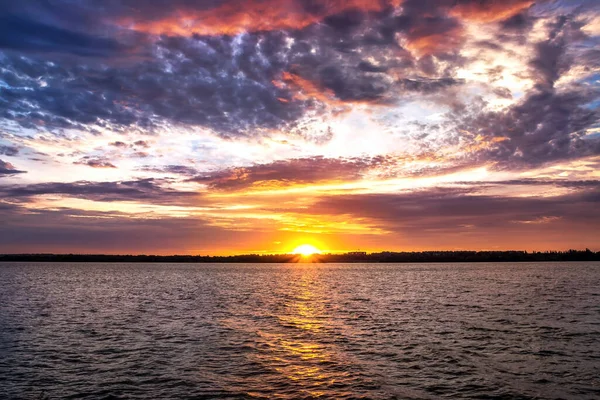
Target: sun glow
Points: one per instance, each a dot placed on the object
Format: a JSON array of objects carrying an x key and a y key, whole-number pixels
[{"x": 306, "y": 250}]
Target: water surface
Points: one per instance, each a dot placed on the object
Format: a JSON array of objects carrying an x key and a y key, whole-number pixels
[{"x": 376, "y": 331}]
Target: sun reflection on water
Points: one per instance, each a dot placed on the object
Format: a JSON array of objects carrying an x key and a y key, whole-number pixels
[
  {"x": 300, "y": 352},
  {"x": 297, "y": 344}
]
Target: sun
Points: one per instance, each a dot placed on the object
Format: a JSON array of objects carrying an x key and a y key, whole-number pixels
[{"x": 306, "y": 250}]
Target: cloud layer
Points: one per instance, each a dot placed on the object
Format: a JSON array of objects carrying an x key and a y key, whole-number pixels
[{"x": 365, "y": 118}]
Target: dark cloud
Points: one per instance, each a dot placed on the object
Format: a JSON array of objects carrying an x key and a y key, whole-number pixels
[
  {"x": 351, "y": 86},
  {"x": 19, "y": 33},
  {"x": 489, "y": 10},
  {"x": 95, "y": 162},
  {"x": 135, "y": 190},
  {"x": 48, "y": 95},
  {"x": 518, "y": 23},
  {"x": 172, "y": 169},
  {"x": 549, "y": 60},
  {"x": 141, "y": 143},
  {"x": 138, "y": 143},
  {"x": 230, "y": 17},
  {"x": 424, "y": 85},
  {"x": 377, "y": 57},
  {"x": 447, "y": 209},
  {"x": 269, "y": 79},
  {"x": 548, "y": 124},
  {"x": 298, "y": 171},
  {"x": 7, "y": 168},
  {"x": 9, "y": 150},
  {"x": 434, "y": 218},
  {"x": 367, "y": 66},
  {"x": 69, "y": 230},
  {"x": 118, "y": 144},
  {"x": 545, "y": 127},
  {"x": 575, "y": 184},
  {"x": 224, "y": 83}
]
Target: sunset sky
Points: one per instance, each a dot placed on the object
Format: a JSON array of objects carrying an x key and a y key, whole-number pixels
[{"x": 230, "y": 126}]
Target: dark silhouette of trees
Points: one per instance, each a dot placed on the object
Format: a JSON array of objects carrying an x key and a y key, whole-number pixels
[{"x": 353, "y": 257}]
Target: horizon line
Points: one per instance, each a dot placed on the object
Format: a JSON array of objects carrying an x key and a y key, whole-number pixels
[{"x": 266, "y": 254}]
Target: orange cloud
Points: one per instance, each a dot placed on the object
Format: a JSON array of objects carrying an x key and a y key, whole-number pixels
[
  {"x": 482, "y": 143},
  {"x": 432, "y": 35},
  {"x": 232, "y": 18},
  {"x": 489, "y": 10},
  {"x": 306, "y": 89},
  {"x": 436, "y": 43}
]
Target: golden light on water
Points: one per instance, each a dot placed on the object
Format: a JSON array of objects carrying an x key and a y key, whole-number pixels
[{"x": 306, "y": 250}]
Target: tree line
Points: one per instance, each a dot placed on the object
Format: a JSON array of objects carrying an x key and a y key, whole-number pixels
[{"x": 352, "y": 257}]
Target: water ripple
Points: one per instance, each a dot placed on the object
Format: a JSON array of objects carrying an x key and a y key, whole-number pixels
[{"x": 373, "y": 331}]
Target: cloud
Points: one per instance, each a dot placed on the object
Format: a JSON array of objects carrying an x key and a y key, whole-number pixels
[
  {"x": 7, "y": 168},
  {"x": 449, "y": 209},
  {"x": 138, "y": 143},
  {"x": 24, "y": 33},
  {"x": 538, "y": 221},
  {"x": 430, "y": 34},
  {"x": 546, "y": 126},
  {"x": 223, "y": 84},
  {"x": 229, "y": 17},
  {"x": 68, "y": 230},
  {"x": 148, "y": 189},
  {"x": 436, "y": 87},
  {"x": 548, "y": 123},
  {"x": 576, "y": 184},
  {"x": 288, "y": 80},
  {"x": 229, "y": 84},
  {"x": 435, "y": 218},
  {"x": 95, "y": 162},
  {"x": 141, "y": 143},
  {"x": 292, "y": 171},
  {"x": 172, "y": 169},
  {"x": 10, "y": 151},
  {"x": 550, "y": 58},
  {"x": 121, "y": 145},
  {"x": 518, "y": 23},
  {"x": 486, "y": 11}
]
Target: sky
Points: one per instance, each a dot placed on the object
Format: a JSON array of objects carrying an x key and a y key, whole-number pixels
[{"x": 230, "y": 126}]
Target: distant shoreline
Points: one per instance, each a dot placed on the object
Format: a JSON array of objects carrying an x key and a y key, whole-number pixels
[{"x": 352, "y": 257}]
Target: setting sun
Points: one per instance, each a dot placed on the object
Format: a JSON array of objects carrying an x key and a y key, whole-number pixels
[{"x": 306, "y": 250}]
